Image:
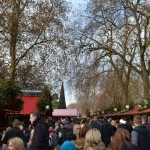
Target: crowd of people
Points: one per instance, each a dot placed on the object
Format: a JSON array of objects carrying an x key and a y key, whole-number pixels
[{"x": 78, "y": 134}]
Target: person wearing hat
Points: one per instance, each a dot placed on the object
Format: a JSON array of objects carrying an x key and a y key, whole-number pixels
[
  {"x": 123, "y": 123},
  {"x": 67, "y": 145},
  {"x": 14, "y": 132},
  {"x": 65, "y": 133}
]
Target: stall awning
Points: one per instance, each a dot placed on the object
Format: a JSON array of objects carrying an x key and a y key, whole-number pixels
[
  {"x": 133, "y": 111},
  {"x": 65, "y": 113}
]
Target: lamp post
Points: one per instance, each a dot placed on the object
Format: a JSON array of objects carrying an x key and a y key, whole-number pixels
[
  {"x": 47, "y": 110},
  {"x": 127, "y": 107},
  {"x": 103, "y": 112},
  {"x": 145, "y": 103}
]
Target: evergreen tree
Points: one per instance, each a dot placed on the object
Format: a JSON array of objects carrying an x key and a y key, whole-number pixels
[
  {"x": 62, "y": 101},
  {"x": 9, "y": 92},
  {"x": 45, "y": 99}
]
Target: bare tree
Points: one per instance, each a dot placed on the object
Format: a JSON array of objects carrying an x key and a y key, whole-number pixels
[
  {"x": 116, "y": 34},
  {"x": 29, "y": 28}
]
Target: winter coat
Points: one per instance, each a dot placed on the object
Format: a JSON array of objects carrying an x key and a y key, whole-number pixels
[
  {"x": 140, "y": 137},
  {"x": 41, "y": 136},
  {"x": 66, "y": 133},
  {"x": 96, "y": 125},
  {"x": 126, "y": 126},
  {"x": 106, "y": 132},
  {"x": 13, "y": 132}
]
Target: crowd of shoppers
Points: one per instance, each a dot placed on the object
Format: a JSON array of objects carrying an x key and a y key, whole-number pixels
[{"x": 64, "y": 134}]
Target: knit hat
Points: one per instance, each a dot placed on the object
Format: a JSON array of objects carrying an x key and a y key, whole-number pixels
[
  {"x": 122, "y": 121},
  {"x": 16, "y": 123},
  {"x": 67, "y": 145},
  {"x": 63, "y": 121}
]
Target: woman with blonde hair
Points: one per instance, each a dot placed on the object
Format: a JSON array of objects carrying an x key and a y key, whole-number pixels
[
  {"x": 16, "y": 144},
  {"x": 79, "y": 143},
  {"x": 121, "y": 141},
  {"x": 93, "y": 140}
]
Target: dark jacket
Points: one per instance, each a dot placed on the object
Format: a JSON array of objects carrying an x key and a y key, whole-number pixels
[
  {"x": 41, "y": 136},
  {"x": 96, "y": 125},
  {"x": 67, "y": 134},
  {"x": 107, "y": 132},
  {"x": 140, "y": 137},
  {"x": 13, "y": 132},
  {"x": 126, "y": 126}
]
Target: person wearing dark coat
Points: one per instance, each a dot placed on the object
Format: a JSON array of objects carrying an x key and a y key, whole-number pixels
[
  {"x": 140, "y": 134},
  {"x": 65, "y": 133},
  {"x": 145, "y": 122},
  {"x": 95, "y": 124},
  {"x": 41, "y": 136},
  {"x": 106, "y": 131},
  {"x": 123, "y": 123},
  {"x": 14, "y": 132}
]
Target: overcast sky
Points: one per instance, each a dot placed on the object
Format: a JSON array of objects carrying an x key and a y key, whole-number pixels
[{"x": 76, "y": 4}]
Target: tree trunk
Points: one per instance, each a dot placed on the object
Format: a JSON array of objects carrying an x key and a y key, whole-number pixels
[
  {"x": 145, "y": 75},
  {"x": 146, "y": 84},
  {"x": 13, "y": 40}
]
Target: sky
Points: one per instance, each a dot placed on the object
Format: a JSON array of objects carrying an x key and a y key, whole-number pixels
[{"x": 69, "y": 94}]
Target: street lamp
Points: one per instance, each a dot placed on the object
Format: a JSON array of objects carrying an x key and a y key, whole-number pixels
[
  {"x": 145, "y": 103},
  {"x": 127, "y": 107},
  {"x": 47, "y": 110},
  {"x": 115, "y": 109}
]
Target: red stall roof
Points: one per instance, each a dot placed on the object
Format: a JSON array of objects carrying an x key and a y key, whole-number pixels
[
  {"x": 29, "y": 104},
  {"x": 65, "y": 113},
  {"x": 145, "y": 111},
  {"x": 133, "y": 111}
]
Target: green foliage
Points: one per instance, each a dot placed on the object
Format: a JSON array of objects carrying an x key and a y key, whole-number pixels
[
  {"x": 55, "y": 100},
  {"x": 8, "y": 95},
  {"x": 44, "y": 100},
  {"x": 19, "y": 104},
  {"x": 62, "y": 101},
  {"x": 55, "y": 97}
]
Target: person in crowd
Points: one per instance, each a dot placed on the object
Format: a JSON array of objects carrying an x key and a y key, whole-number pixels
[
  {"x": 140, "y": 134},
  {"x": 57, "y": 147},
  {"x": 114, "y": 126},
  {"x": 145, "y": 122},
  {"x": 94, "y": 123},
  {"x": 31, "y": 132},
  {"x": 72, "y": 122},
  {"x": 106, "y": 131},
  {"x": 25, "y": 131},
  {"x": 123, "y": 123},
  {"x": 14, "y": 132},
  {"x": 65, "y": 133},
  {"x": 40, "y": 140},
  {"x": 51, "y": 138},
  {"x": 93, "y": 140},
  {"x": 56, "y": 132},
  {"x": 67, "y": 145},
  {"x": 76, "y": 129},
  {"x": 79, "y": 143},
  {"x": 15, "y": 144},
  {"x": 148, "y": 121},
  {"x": 4, "y": 146},
  {"x": 122, "y": 141},
  {"x": 83, "y": 122}
]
